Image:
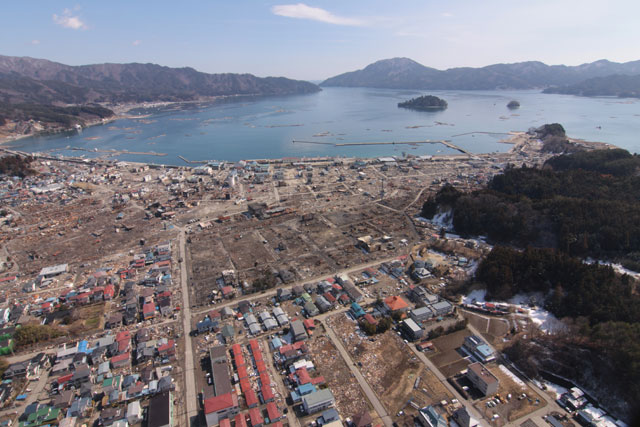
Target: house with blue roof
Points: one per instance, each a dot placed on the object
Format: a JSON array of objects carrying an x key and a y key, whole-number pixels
[
  {"x": 356, "y": 310},
  {"x": 302, "y": 390}
]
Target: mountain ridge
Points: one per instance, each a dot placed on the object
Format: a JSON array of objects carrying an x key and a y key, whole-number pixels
[
  {"x": 622, "y": 86},
  {"x": 132, "y": 82},
  {"x": 405, "y": 73}
]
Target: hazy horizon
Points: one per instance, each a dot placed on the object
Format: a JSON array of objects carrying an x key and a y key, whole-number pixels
[{"x": 318, "y": 40}]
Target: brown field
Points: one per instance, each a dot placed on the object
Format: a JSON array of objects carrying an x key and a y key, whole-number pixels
[
  {"x": 446, "y": 357},
  {"x": 350, "y": 399},
  {"x": 390, "y": 369}
]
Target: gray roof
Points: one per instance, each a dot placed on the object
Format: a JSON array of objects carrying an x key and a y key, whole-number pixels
[
  {"x": 412, "y": 325},
  {"x": 297, "y": 328},
  {"x": 318, "y": 397},
  {"x": 250, "y": 319},
  {"x": 270, "y": 323}
]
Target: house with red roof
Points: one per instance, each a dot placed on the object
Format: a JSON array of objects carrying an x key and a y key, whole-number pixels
[
  {"x": 368, "y": 318},
  {"x": 309, "y": 324},
  {"x": 228, "y": 292},
  {"x": 255, "y": 417},
  {"x": 109, "y": 292},
  {"x": 245, "y": 385},
  {"x": 124, "y": 346},
  {"x": 251, "y": 399},
  {"x": 241, "y": 420},
  {"x": 273, "y": 413},
  {"x": 267, "y": 393},
  {"x": 329, "y": 297},
  {"x": 242, "y": 372},
  {"x": 220, "y": 407},
  {"x": 167, "y": 350},
  {"x": 121, "y": 361},
  {"x": 47, "y": 307},
  {"x": 148, "y": 311},
  {"x": 123, "y": 335},
  {"x": 225, "y": 422},
  {"x": 395, "y": 304}
]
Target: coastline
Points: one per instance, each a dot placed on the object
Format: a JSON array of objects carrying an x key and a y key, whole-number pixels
[{"x": 121, "y": 111}]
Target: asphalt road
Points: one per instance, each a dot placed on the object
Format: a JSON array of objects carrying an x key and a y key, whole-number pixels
[
  {"x": 368, "y": 391},
  {"x": 190, "y": 393}
]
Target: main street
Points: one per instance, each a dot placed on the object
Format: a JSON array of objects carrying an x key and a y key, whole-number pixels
[{"x": 189, "y": 371}]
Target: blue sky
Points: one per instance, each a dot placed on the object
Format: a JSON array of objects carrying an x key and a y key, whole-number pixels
[{"x": 319, "y": 39}]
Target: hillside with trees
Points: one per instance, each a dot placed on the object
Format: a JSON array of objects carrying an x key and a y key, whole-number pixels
[
  {"x": 622, "y": 86},
  {"x": 584, "y": 204},
  {"x": 545, "y": 223},
  {"x": 404, "y": 73}
]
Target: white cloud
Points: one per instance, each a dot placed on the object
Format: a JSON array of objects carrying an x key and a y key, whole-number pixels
[
  {"x": 136, "y": 42},
  {"x": 302, "y": 11},
  {"x": 68, "y": 20},
  {"x": 447, "y": 14},
  {"x": 35, "y": 41}
]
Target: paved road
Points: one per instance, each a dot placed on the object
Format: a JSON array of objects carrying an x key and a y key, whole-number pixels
[
  {"x": 189, "y": 371},
  {"x": 368, "y": 391},
  {"x": 33, "y": 395},
  {"x": 273, "y": 292}
]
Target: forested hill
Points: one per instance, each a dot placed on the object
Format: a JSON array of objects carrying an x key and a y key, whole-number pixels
[
  {"x": 35, "y": 93},
  {"x": 618, "y": 85},
  {"x": 544, "y": 224},
  {"x": 25, "y": 79},
  {"x": 584, "y": 204},
  {"x": 404, "y": 73}
]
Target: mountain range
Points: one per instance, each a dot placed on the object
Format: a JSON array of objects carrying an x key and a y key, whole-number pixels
[
  {"x": 30, "y": 80},
  {"x": 622, "y": 86},
  {"x": 404, "y": 73}
]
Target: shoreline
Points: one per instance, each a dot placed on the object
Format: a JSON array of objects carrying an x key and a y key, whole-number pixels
[
  {"x": 120, "y": 111},
  {"x": 520, "y": 141}
]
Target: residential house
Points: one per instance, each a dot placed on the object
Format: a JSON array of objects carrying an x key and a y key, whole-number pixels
[
  {"x": 411, "y": 329},
  {"x": 220, "y": 407},
  {"x": 429, "y": 417},
  {"x": 395, "y": 304},
  {"x": 298, "y": 331},
  {"x": 317, "y": 401}
]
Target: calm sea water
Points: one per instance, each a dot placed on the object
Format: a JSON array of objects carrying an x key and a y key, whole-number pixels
[{"x": 252, "y": 128}]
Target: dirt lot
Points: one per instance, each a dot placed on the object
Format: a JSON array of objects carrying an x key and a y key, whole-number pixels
[
  {"x": 390, "y": 369},
  {"x": 445, "y": 355},
  {"x": 492, "y": 328},
  {"x": 350, "y": 399},
  {"x": 515, "y": 407}
]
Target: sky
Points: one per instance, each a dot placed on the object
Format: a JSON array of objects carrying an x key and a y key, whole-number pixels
[{"x": 314, "y": 40}]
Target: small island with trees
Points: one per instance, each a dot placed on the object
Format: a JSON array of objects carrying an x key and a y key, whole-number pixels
[
  {"x": 512, "y": 105},
  {"x": 425, "y": 103}
]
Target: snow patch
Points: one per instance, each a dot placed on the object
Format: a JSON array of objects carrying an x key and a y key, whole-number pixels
[
  {"x": 443, "y": 219},
  {"x": 513, "y": 376},
  {"x": 475, "y": 296},
  {"x": 555, "y": 388},
  {"x": 617, "y": 267},
  {"x": 545, "y": 321}
]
